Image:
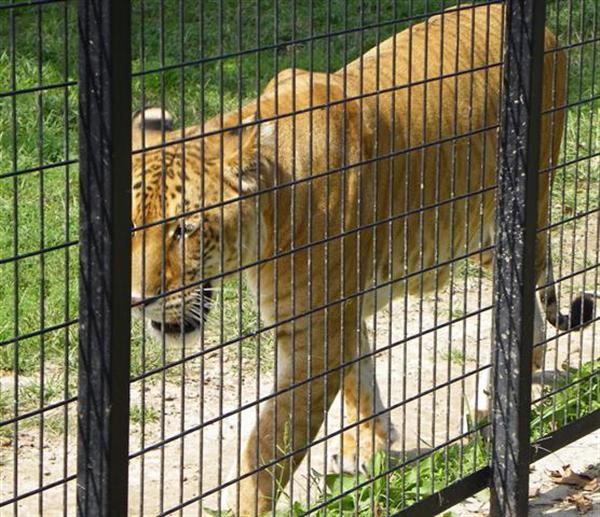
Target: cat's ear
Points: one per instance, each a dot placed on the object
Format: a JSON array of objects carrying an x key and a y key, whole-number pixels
[
  {"x": 149, "y": 127},
  {"x": 248, "y": 151}
]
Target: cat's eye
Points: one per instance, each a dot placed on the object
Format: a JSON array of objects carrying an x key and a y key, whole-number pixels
[{"x": 183, "y": 228}]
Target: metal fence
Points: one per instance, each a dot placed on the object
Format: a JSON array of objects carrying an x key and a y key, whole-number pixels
[{"x": 294, "y": 257}]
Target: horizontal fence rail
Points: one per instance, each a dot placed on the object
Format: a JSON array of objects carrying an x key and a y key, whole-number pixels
[{"x": 295, "y": 258}]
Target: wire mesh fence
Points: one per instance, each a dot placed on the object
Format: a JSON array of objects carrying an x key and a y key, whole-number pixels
[
  {"x": 38, "y": 255},
  {"x": 329, "y": 220}
]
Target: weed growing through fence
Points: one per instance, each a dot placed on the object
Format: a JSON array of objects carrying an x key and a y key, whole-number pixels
[
  {"x": 147, "y": 414},
  {"x": 577, "y": 394},
  {"x": 456, "y": 357}
]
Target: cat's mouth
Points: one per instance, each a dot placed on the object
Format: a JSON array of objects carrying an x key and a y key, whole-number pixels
[
  {"x": 180, "y": 327},
  {"x": 196, "y": 312}
]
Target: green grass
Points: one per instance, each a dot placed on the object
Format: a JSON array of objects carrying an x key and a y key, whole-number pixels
[
  {"x": 147, "y": 414},
  {"x": 456, "y": 357},
  {"x": 576, "y": 394}
]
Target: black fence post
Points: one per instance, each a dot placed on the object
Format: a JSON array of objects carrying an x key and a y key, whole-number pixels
[
  {"x": 515, "y": 237},
  {"x": 104, "y": 311}
]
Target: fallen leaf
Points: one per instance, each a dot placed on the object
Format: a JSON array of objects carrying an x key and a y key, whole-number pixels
[
  {"x": 567, "y": 477},
  {"x": 581, "y": 501}
]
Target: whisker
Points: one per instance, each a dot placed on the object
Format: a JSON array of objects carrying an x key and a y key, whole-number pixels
[
  {"x": 195, "y": 311},
  {"x": 191, "y": 318}
]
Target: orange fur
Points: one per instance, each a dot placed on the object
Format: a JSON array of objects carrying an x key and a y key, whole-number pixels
[{"x": 352, "y": 222}]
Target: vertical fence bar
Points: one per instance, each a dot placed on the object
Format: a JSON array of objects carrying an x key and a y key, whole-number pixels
[
  {"x": 515, "y": 238},
  {"x": 104, "y": 310}
]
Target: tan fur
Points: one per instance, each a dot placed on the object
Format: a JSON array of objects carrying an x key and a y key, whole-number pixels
[{"x": 328, "y": 238}]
